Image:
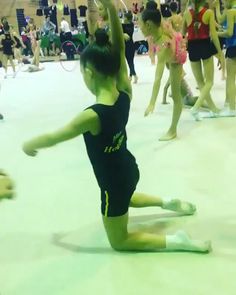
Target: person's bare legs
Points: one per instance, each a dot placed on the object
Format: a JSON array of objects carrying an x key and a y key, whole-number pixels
[
  {"x": 18, "y": 56},
  {"x": 2, "y": 59},
  {"x": 140, "y": 200},
  {"x": 122, "y": 240},
  {"x": 230, "y": 87},
  {"x": 205, "y": 83},
  {"x": 186, "y": 93},
  {"x": 175, "y": 82},
  {"x": 166, "y": 87},
  {"x": 5, "y": 62},
  {"x": 13, "y": 65},
  {"x": 34, "y": 67},
  {"x": 36, "y": 58}
]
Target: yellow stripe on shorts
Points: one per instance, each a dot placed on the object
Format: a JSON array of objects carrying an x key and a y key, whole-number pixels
[{"x": 107, "y": 203}]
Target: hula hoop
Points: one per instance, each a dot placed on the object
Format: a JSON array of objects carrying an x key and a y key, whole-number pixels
[
  {"x": 123, "y": 5},
  {"x": 71, "y": 52}
]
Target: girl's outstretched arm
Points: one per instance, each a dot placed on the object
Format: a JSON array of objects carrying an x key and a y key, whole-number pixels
[
  {"x": 87, "y": 121},
  {"x": 162, "y": 59}
]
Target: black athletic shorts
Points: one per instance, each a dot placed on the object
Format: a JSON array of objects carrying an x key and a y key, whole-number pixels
[
  {"x": 115, "y": 199},
  {"x": 201, "y": 49},
  {"x": 231, "y": 52}
]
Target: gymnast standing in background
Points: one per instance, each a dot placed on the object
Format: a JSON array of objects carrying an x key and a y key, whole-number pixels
[{"x": 128, "y": 29}]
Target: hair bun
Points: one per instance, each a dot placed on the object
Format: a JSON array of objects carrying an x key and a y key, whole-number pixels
[{"x": 102, "y": 39}]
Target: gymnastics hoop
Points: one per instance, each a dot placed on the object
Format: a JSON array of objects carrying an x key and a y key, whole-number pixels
[
  {"x": 73, "y": 62},
  {"x": 126, "y": 8}
]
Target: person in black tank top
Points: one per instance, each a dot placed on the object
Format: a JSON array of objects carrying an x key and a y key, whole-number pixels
[
  {"x": 1, "y": 48},
  {"x": 128, "y": 29},
  {"x": 114, "y": 166},
  {"x": 103, "y": 125},
  {"x": 8, "y": 44}
]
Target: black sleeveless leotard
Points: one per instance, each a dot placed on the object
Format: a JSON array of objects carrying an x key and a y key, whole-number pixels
[
  {"x": 7, "y": 44},
  {"x": 114, "y": 166}
]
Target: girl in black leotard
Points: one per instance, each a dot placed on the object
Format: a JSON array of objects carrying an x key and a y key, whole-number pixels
[
  {"x": 2, "y": 23},
  {"x": 8, "y": 44},
  {"x": 128, "y": 29},
  {"x": 103, "y": 125}
]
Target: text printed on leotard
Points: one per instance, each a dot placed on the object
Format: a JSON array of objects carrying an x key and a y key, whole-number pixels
[{"x": 116, "y": 143}]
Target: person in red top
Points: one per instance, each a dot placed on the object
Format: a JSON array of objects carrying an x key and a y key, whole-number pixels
[{"x": 200, "y": 24}]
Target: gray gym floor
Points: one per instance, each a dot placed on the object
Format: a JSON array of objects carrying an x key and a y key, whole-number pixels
[{"x": 52, "y": 240}]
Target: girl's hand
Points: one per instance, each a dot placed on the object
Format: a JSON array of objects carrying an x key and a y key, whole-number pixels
[
  {"x": 126, "y": 37},
  {"x": 6, "y": 186},
  {"x": 29, "y": 149},
  {"x": 221, "y": 61},
  {"x": 149, "y": 110}
]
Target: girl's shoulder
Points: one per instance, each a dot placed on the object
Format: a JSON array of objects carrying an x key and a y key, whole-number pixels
[
  {"x": 207, "y": 13},
  {"x": 231, "y": 11}
]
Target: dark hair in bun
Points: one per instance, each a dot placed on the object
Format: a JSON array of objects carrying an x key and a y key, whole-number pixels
[
  {"x": 6, "y": 27},
  {"x": 174, "y": 6},
  {"x": 151, "y": 4},
  {"x": 153, "y": 15},
  {"x": 101, "y": 55},
  {"x": 129, "y": 15},
  {"x": 101, "y": 37}
]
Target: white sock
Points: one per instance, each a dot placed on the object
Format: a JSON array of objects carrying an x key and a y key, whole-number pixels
[
  {"x": 226, "y": 104},
  {"x": 181, "y": 241},
  {"x": 179, "y": 206},
  {"x": 195, "y": 115},
  {"x": 228, "y": 113},
  {"x": 210, "y": 114}
]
